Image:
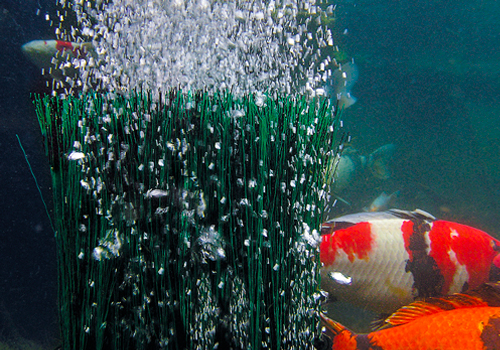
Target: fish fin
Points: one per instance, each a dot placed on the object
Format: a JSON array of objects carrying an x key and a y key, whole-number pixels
[
  {"x": 395, "y": 195},
  {"x": 331, "y": 226},
  {"x": 488, "y": 294},
  {"x": 328, "y": 227},
  {"x": 89, "y": 48},
  {"x": 416, "y": 214},
  {"x": 352, "y": 219},
  {"x": 333, "y": 328},
  {"x": 379, "y": 322},
  {"x": 346, "y": 221},
  {"x": 378, "y": 161},
  {"x": 348, "y": 75},
  {"x": 340, "y": 199},
  {"x": 345, "y": 99}
]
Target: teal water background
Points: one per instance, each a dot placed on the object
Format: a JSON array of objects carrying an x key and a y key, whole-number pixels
[{"x": 429, "y": 82}]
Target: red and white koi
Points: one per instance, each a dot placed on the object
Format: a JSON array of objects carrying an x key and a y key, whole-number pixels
[
  {"x": 382, "y": 261},
  {"x": 56, "y": 57}
]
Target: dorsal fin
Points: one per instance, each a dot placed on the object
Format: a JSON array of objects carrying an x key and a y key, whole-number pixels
[
  {"x": 488, "y": 294},
  {"x": 416, "y": 214},
  {"x": 349, "y": 220}
]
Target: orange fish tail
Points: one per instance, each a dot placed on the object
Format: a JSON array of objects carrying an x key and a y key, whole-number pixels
[{"x": 343, "y": 338}]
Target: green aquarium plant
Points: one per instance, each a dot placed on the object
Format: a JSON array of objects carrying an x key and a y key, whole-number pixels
[{"x": 188, "y": 220}]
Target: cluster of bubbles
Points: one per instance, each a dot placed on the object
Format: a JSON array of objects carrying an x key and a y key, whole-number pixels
[
  {"x": 246, "y": 47},
  {"x": 242, "y": 46}
]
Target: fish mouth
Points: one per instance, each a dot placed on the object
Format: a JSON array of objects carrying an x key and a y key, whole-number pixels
[
  {"x": 26, "y": 48},
  {"x": 29, "y": 50}
]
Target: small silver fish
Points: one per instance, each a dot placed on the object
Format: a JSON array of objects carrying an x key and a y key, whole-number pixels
[
  {"x": 383, "y": 202},
  {"x": 341, "y": 83}
]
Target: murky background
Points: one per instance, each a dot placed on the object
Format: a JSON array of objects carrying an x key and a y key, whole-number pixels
[
  {"x": 429, "y": 76},
  {"x": 429, "y": 82}
]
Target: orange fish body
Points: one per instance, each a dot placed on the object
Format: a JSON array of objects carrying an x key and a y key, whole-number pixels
[
  {"x": 458, "y": 329},
  {"x": 460, "y": 321},
  {"x": 382, "y": 261}
]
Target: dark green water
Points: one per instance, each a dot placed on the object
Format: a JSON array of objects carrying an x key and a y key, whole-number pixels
[{"x": 429, "y": 83}]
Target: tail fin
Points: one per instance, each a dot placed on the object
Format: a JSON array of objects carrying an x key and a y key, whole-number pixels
[
  {"x": 345, "y": 99},
  {"x": 90, "y": 49},
  {"x": 342, "y": 81},
  {"x": 379, "y": 161},
  {"x": 344, "y": 78}
]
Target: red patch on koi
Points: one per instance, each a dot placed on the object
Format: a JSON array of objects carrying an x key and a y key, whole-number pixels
[
  {"x": 64, "y": 45},
  {"x": 356, "y": 241},
  {"x": 77, "y": 51},
  {"x": 472, "y": 247},
  {"x": 407, "y": 229}
]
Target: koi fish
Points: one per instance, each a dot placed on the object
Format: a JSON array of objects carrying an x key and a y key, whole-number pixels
[
  {"x": 55, "y": 57},
  {"x": 461, "y": 321},
  {"x": 342, "y": 172},
  {"x": 384, "y": 260}
]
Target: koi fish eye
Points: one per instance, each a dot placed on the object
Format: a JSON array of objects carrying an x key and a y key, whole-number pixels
[{"x": 495, "y": 246}]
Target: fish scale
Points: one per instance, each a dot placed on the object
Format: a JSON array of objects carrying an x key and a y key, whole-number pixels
[
  {"x": 437, "y": 332},
  {"x": 391, "y": 258},
  {"x": 370, "y": 286},
  {"x": 468, "y": 320}
]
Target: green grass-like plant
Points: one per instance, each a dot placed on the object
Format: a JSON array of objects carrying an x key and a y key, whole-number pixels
[{"x": 187, "y": 221}]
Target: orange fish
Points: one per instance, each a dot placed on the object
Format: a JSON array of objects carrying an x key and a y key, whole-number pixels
[{"x": 460, "y": 321}]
